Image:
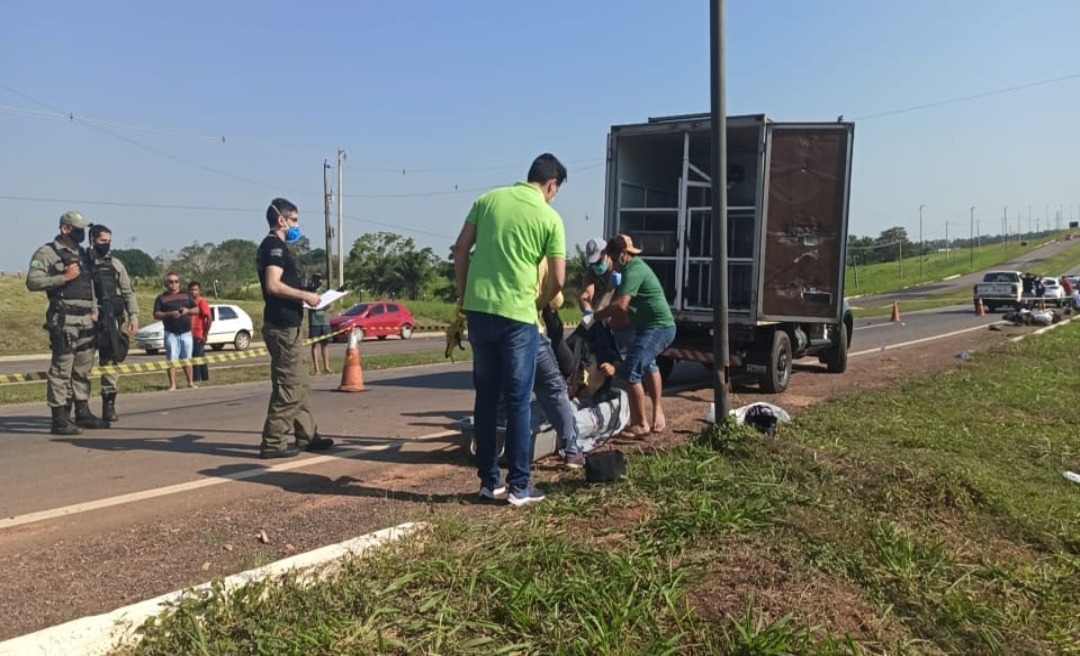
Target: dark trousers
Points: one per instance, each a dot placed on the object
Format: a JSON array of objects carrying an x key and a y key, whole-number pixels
[{"x": 199, "y": 372}]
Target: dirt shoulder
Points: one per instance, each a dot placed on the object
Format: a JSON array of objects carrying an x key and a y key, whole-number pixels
[{"x": 61, "y": 570}]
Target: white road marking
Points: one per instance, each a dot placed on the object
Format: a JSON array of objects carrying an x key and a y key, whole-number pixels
[
  {"x": 153, "y": 493},
  {"x": 913, "y": 342}
]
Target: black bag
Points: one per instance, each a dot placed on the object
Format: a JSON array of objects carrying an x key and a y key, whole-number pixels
[
  {"x": 605, "y": 466},
  {"x": 762, "y": 418}
]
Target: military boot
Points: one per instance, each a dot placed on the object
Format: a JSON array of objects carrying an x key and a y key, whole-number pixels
[
  {"x": 108, "y": 407},
  {"x": 86, "y": 419},
  {"x": 61, "y": 423}
]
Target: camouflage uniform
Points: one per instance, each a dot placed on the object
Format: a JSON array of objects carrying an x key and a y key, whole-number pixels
[
  {"x": 117, "y": 307},
  {"x": 70, "y": 322}
]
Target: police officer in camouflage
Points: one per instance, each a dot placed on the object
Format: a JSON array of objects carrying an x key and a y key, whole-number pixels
[
  {"x": 62, "y": 269},
  {"x": 117, "y": 309}
]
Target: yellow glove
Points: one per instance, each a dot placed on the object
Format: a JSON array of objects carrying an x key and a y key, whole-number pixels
[{"x": 455, "y": 333}]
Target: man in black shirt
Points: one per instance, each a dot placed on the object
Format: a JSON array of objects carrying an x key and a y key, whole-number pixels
[{"x": 290, "y": 400}]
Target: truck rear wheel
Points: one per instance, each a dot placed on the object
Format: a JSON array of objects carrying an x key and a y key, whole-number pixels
[
  {"x": 836, "y": 359},
  {"x": 778, "y": 370}
]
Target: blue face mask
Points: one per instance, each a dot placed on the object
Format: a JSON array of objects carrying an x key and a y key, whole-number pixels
[
  {"x": 292, "y": 235},
  {"x": 616, "y": 278},
  {"x": 600, "y": 268}
]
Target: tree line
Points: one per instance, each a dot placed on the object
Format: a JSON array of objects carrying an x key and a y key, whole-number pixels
[{"x": 378, "y": 265}]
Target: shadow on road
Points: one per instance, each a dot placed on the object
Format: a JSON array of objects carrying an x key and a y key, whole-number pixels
[
  {"x": 185, "y": 443},
  {"x": 25, "y": 425},
  {"x": 457, "y": 380}
]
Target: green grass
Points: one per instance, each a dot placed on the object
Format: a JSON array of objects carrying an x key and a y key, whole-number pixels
[
  {"x": 885, "y": 277},
  {"x": 229, "y": 375},
  {"x": 21, "y": 332},
  {"x": 931, "y": 518}
]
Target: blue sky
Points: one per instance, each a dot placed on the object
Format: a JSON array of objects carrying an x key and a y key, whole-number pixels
[{"x": 464, "y": 95}]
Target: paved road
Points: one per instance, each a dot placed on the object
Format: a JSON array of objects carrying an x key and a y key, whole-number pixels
[
  {"x": 1027, "y": 262},
  {"x": 195, "y": 438},
  {"x": 425, "y": 342}
]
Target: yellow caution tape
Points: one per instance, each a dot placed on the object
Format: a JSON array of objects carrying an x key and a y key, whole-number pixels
[{"x": 162, "y": 365}]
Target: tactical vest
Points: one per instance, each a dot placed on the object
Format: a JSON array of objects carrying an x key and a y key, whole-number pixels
[
  {"x": 107, "y": 286},
  {"x": 79, "y": 289}
]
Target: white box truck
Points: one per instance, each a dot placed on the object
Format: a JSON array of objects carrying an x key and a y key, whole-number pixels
[{"x": 788, "y": 193}]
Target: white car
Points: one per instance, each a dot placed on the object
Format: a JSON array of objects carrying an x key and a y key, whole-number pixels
[
  {"x": 231, "y": 326},
  {"x": 1052, "y": 289}
]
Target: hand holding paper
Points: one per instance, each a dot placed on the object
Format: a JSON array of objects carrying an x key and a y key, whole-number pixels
[{"x": 328, "y": 297}]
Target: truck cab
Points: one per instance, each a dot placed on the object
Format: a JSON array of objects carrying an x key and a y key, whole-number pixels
[{"x": 787, "y": 222}]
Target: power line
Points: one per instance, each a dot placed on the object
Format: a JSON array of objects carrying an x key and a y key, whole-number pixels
[
  {"x": 202, "y": 208},
  {"x": 155, "y": 151},
  {"x": 456, "y": 189},
  {"x": 70, "y": 116},
  {"x": 973, "y": 96}
]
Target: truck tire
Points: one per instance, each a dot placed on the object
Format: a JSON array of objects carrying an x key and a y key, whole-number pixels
[
  {"x": 665, "y": 364},
  {"x": 778, "y": 369},
  {"x": 836, "y": 358}
]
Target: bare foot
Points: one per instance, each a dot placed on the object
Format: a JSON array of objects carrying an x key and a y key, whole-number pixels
[
  {"x": 634, "y": 432},
  {"x": 659, "y": 423},
  {"x": 193, "y": 386},
  {"x": 172, "y": 388}
]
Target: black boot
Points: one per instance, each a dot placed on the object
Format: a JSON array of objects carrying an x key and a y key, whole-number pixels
[
  {"x": 108, "y": 407},
  {"x": 61, "y": 423},
  {"x": 86, "y": 419}
]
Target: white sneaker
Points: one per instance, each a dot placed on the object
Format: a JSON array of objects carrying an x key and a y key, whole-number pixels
[{"x": 489, "y": 494}]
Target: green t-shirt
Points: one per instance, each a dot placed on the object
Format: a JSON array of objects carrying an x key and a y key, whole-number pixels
[
  {"x": 318, "y": 318},
  {"x": 648, "y": 306},
  {"x": 515, "y": 229}
]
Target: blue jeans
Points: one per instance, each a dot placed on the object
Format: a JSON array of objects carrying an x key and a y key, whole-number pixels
[
  {"x": 504, "y": 360},
  {"x": 553, "y": 397},
  {"x": 641, "y": 356},
  {"x": 178, "y": 346}
]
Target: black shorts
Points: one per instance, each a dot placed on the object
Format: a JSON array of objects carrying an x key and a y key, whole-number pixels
[{"x": 318, "y": 331}]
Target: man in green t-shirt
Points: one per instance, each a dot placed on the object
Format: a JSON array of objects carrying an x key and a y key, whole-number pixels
[
  {"x": 513, "y": 229},
  {"x": 319, "y": 326},
  {"x": 641, "y": 297}
]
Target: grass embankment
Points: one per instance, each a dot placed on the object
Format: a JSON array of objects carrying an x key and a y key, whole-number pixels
[
  {"x": 21, "y": 332},
  {"x": 884, "y": 277},
  {"x": 932, "y": 518}
]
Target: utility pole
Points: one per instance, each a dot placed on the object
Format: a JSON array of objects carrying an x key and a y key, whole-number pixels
[
  {"x": 922, "y": 244},
  {"x": 948, "y": 249},
  {"x": 328, "y": 198},
  {"x": 340, "y": 220},
  {"x": 718, "y": 145},
  {"x": 1005, "y": 225},
  {"x": 1029, "y": 222},
  {"x": 901, "y": 258},
  {"x": 971, "y": 240}
]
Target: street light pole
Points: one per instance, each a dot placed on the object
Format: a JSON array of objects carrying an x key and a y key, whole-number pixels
[
  {"x": 718, "y": 160},
  {"x": 922, "y": 244},
  {"x": 971, "y": 240}
]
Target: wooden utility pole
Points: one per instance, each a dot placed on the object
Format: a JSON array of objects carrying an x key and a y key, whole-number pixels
[
  {"x": 328, "y": 197},
  {"x": 340, "y": 219}
]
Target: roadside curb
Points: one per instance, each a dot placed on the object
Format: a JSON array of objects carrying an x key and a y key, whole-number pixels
[{"x": 102, "y": 634}]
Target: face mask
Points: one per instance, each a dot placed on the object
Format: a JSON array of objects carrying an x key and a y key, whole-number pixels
[
  {"x": 292, "y": 235},
  {"x": 600, "y": 268},
  {"x": 102, "y": 250},
  {"x": 616, "y": 278},
  {"x": 77, "y": 235}
]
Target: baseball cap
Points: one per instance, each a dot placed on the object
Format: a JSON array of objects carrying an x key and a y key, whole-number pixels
[
  {"x": 620, "y": 243},
  {"x": 594, "y": 250},
  {"x": 73, "y": 219}
]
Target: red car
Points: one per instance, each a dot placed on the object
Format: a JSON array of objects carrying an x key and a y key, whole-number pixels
[{"x": 375, "y": 319}]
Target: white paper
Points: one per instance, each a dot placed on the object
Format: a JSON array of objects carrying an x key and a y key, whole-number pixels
[{"x": 328, "y": 297}]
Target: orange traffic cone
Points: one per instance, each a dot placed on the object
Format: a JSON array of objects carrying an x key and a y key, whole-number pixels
[
  {"x": 895, "y": 312},
  {"x": 980, "y": 309},
  {"x": 352, "y": 374}
]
